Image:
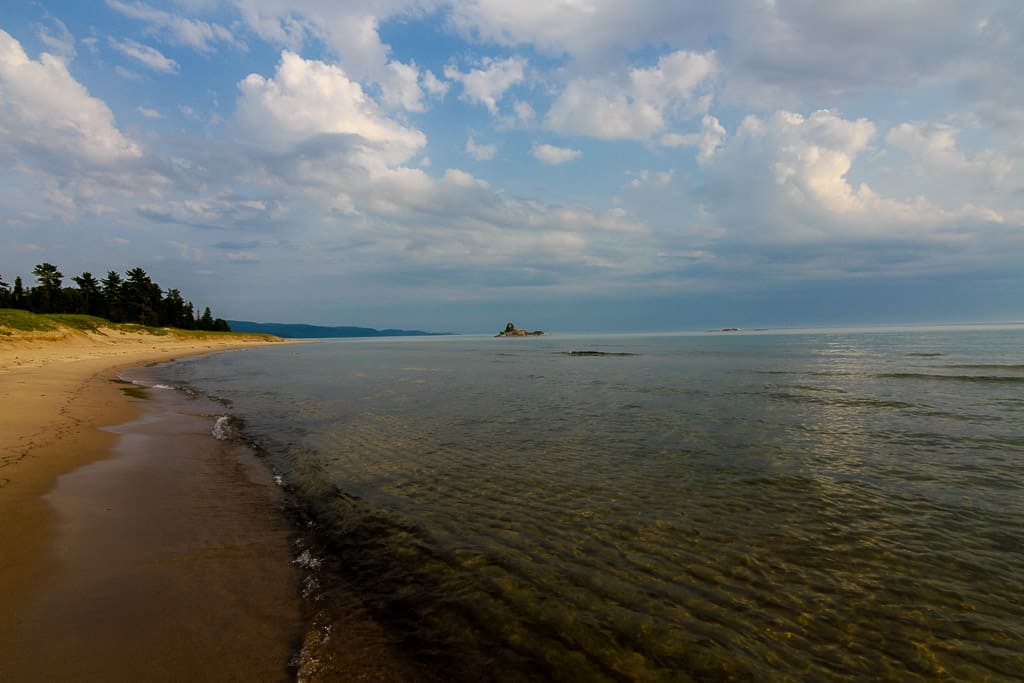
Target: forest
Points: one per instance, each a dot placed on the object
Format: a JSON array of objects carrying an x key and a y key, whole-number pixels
[{"x": 133, "y": 298}]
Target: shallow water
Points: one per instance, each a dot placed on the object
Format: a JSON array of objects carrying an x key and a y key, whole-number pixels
[{"x": 822, "y": 505}]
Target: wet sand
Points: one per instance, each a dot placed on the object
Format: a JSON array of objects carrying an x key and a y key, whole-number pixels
[{"x": 149, "y": 551}]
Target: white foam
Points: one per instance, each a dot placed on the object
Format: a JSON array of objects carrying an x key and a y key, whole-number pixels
[
  {"x": 222, "y": 428},
  {"x": 279, "y": 480},
  {"x": 307, "y": 560}
]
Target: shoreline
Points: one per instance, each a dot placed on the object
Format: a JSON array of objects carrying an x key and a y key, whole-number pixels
[{"x": 59, "y": 394}]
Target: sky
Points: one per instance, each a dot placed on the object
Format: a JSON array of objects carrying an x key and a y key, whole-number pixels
[{"x": 569, "y": 165}]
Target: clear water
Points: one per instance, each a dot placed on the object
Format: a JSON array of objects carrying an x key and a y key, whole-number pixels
[{"x": 816, "y": 506}]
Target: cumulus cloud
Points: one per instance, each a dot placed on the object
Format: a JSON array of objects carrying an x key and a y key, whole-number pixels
[
  {"x": 308, "y": 98},
  {"x": 638, "y": 108},
  {"x": 434, "y": 86},
  {"x": 400, "y": 87},
  {"x": 351, "y": 32},
  {"x": 788, "y": 175},
  {"x": 45, "y": 110},
  {"x": 934, "y": 145},
  {"x": 551, "y": 155},
  {"x": 778, "y": 199},
  {"x": 706, "y": 141},
  {"x": 489, "y": 83},
  {"x": 144, "y": 54},
  {"x": 480, "y": 152}
]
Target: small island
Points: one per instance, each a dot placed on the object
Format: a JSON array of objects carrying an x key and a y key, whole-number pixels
[{"x": 511, "y": 331}]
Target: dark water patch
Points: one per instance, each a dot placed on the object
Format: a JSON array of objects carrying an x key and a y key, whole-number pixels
[
  {"x": 597, "y": 353},
  {"x": 983, "y": 379},
  {"x": 926, "y": 354},
  {"x": 839, "y": 401},
  {"x": 985, "y": 366}
]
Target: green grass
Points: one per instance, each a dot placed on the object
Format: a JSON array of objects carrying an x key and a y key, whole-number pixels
[{"x": 13, "y": 320}]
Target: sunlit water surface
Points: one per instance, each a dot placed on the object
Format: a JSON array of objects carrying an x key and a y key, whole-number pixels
[{"x": 817, "y": 505}]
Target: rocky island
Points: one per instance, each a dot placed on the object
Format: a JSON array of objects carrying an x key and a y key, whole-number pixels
[{"x": 511, "y": 331}]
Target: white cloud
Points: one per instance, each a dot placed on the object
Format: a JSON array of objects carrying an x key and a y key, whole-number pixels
[
  {"x": 488, "y": 84},
  {"x": 658, "y": 179},
  {"x": 351, "y": 33},
  {"x": 433, "y": 85},
  {"x": 549, "y": 154},
  {"x": 59, "y": 39},
  {"x": 480, "y": 152},
  {"x": 787, "y": 179},
  {"x": 525, "y": 114},
  {"x": 400, "y": 87},
  {"x": 586, "y": 31},
  {"x": 934, "y": 146},
  {"x": 186, "y": 252},
  {"x": 149, "y": 113},
  {"x": 197, "y": 34},
  {"x": 223, "y": 211},
  {"x": 807, "y": 158},
  {"x": 706, "y": 141},
  {"x": 641, "y": 106},
  {"x": 308, "y": 98},
  {"x": 126, "y": 74},
  {"x": 146, "y": 55},
  {"x": 46, "y": 110}
]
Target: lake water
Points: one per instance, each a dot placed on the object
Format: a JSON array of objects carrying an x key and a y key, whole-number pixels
[{"x": 819, "y": 505}]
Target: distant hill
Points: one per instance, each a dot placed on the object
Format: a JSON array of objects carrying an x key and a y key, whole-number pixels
[{"x": 300, "y": 331}]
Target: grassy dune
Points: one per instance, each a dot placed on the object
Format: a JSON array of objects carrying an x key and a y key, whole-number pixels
[{"x": 16, "y": 324}]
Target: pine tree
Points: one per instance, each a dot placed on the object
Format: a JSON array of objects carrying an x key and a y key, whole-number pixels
[
  {"x": 18, "y": 294},
  {"x": 113, "y": 297},
  {"x": 47, "y": 294},
  {"x": 91, "y": 298}
]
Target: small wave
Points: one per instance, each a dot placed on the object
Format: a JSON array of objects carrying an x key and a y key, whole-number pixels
[
  {"x": 994, "y": 379},
  {"x": 307, "y": 560},
  {"x": 926, "y": 354},
  {"x": 984, "y": 366},
  {"x": 839, "y": 401},
  {"x": 596, "y": 353},
  {"x": 145, "y": 385},
  {"x": 225, "y": 429}
]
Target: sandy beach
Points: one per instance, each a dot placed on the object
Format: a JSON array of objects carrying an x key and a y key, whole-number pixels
[{"x": 132, "y": 552}]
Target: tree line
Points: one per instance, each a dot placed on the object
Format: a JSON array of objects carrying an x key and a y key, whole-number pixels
[{"x": 134, "y": 298}]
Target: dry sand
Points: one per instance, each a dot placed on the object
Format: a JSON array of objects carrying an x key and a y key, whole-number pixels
[{"x": 139, "y": 566}]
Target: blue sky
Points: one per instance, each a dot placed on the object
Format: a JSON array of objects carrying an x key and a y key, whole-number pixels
[{"x": 575, "y": 165}]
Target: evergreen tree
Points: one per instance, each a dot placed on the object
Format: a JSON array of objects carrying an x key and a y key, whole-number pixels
[
  {"x": 46, "y": 297},
  {"x": 206, "y": 322},
  {"x": 141, "y": 297},
  {"x": 188, "y": 320},
  {"x": 132, "y": 298},
  {"x": 90, "y": 295},
  {"x": 18, "y": 294},
  {"x": 173, "y": 309},
  {"x": 111, "y": 286}
]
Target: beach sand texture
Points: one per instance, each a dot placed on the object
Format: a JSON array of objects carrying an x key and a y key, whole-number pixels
[{"x": 132, "y": 553}]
